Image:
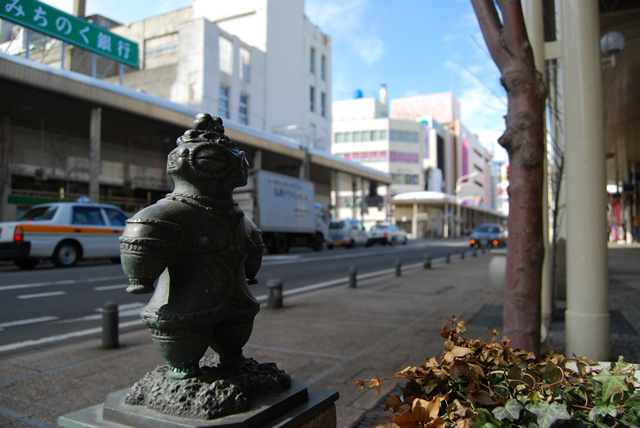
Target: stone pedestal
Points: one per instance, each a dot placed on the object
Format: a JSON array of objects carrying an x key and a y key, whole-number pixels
[{"x": 296, "y": 407}]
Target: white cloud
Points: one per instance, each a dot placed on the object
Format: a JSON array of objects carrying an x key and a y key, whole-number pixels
[{"x": 344, "y": 20}]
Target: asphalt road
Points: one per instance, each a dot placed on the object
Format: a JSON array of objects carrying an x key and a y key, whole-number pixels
[{"x": 47, "y": 305}]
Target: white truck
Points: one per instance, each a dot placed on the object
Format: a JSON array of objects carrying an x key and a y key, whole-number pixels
[{"x": 284, "y": 209}]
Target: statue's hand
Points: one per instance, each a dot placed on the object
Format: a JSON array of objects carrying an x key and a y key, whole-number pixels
[{"x": 140, "y": 286}]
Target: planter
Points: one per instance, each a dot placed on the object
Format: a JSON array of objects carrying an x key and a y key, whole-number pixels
[{"x": 497, "y": 270}]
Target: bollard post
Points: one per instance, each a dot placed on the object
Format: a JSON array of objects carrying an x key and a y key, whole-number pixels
[
  {"x": 427, "y": 262},
  {"x": 462, "y": 255},
  {"x": 398, "y": 268},
  {"x": 110, "y": 325},
  {"x": 353, "y": 273},
  {"x": 448, "y": 258},
  {"x": 274, "y": 293},
  {"x": 475, "y": 252}
]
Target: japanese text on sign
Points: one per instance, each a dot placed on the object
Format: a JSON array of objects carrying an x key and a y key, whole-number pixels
[{"x": 55, "y": 23}]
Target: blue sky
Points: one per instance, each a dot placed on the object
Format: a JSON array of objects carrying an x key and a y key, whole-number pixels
[{"x": 413, "y": 46}]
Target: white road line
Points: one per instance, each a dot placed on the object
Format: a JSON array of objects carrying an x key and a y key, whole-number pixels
[
  {"x": 27, "y": 321},
  {"x": 65, "y": 282},
  {"x": 19, "y": 345},
  {"x": 125, "y": 310},
  {"x": 110, "y": 287},
  {"x": 37, "y": 295}
]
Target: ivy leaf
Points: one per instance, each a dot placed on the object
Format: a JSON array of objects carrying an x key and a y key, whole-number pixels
[
  {"x": 510, "y": 411},
  {"x": 600, "y": 411},
  {"x": 611, "y": 383},
  {"x": 484, "y": 419},
  {"x": 548, "y": 413}
]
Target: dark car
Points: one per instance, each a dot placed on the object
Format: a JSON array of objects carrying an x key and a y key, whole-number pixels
[{"x": 488, "y": 235}]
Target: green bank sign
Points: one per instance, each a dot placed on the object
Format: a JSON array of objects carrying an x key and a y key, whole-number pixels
[{"x": 78, "y": 32}]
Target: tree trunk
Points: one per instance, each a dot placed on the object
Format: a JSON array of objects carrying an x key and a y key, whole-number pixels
[{"x": 524, "y": 141}]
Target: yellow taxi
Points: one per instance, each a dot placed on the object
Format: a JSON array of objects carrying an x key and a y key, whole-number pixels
[{"x": 64, "y": 232}]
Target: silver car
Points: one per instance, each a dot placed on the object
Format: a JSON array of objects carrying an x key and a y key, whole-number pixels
[
  {"x": 347, "y": 233},
  {"x": 386, "y": 234}
]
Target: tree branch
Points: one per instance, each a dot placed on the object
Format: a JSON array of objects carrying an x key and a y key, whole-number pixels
[
  {"x": 515, "y": 33},
  {"x": 491, "y": 28}
]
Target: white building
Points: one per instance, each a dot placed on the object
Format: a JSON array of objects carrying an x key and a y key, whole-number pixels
[
  {"x": 424, "y": 146},
  {"x": 257, "y": 62},
  {"x": 363, "y": 133},
  {"x": 464, "y": 158}
]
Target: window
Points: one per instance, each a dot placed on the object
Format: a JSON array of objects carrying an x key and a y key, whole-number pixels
[
  {"x": 225, "y": 52},
  {"x": 339, "y": 137},
  {"x": 411, "y": 137},
  {"x": 40, "y": 213},
  {"x": 347, "y": 137},
  {"x": 243, "y": 110},
  {"x": 312, "y": 61},
  {"x": 323, "y": 104},
  {"x": 87, "y": 215},
  {"x": 312, "y": 98},
  {"x": 160, "y": 46},
  {"x": 357, "y": 136},
  {"x": 245, "y": 64},
  {"x": 323, "y": 67},
  {"x": 116, "y": 218},
  {"x": 223, "y": 102}
]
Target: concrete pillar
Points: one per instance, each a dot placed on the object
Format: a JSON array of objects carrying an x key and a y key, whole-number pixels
[
  {"x": 587, "y": 315},
  {"x": 445, "y": 231},
  {"x": 94, "y": 154},
  {"x": 257, "y": 159},
  {"x": 353, "y": 197},
  {"x": 534, "y": 20},
  {"x": 414, "y": 221},
  {"x": 305, "y": 166},
  {"x": 6, "y": 151},
  {"x": 363, "y": 197},
  {"x": 336, "y": 192}
]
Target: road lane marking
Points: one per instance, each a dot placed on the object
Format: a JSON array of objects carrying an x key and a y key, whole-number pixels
[
  {"x": 37, "y": 295},
  {"x": 50, "y": 339},
  {"x": 64, "y": 282},
  {"x": 125, "y": 310},
  {"x": 110, "y": 287},
  {"x": 263, "y": 298},
  {"x": 26, "y": 322}
]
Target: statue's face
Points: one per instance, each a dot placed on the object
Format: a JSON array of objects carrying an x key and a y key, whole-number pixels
[{"x": 209, "y": 163}]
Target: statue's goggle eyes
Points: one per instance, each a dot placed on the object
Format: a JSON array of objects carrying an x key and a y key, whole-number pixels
[{"x": 209, "y": 159}]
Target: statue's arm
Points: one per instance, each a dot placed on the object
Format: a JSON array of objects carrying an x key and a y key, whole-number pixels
[{"x": 145, "y": 248}]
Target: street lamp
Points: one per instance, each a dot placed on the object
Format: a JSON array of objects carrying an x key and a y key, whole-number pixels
[{"x": 458, "y": 202}]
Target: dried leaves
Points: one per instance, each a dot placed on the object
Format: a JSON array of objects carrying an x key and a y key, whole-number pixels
[{"x": 480, "y": 384}]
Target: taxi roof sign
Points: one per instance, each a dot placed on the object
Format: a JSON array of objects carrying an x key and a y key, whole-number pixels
[{"x": 71, "y": 29}]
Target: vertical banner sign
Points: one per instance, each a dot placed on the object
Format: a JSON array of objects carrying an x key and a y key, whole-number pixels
[
  {"x": 71, "y": 29},
  {"x": 465, "y": 158}
]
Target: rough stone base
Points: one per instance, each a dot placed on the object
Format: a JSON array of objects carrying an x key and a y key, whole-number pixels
[{"x": 221, "y": 390}]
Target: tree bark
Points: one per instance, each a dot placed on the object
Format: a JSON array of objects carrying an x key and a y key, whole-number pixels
[{"x": 524, "y": 141}]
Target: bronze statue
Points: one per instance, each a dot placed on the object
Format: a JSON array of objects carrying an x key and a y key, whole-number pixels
[{"x": 204, "y": 251}]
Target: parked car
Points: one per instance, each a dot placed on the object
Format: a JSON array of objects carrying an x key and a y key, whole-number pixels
[
  {"x": 64, "y": 232},
  {"x": 345, "y": 232},
  {"x": 386, "y": 234},
  {"x": 488, "y": 235}
]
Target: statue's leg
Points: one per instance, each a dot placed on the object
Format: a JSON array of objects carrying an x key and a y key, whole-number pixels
[{"x": 229, "y": 336}]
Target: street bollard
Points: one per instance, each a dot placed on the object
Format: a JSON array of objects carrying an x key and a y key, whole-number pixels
[
  {"x": 353, "y": 273},
  {"x": 398, "y": 268},
  {"x": 448, "y": 258},
  {"x": 462, "y": 255},
  {"x": 110, "y": 325},
  {"x": 427, "y": 262},
  {"x": 274, "y": 293},
  {"x": 475, "y": 252}
]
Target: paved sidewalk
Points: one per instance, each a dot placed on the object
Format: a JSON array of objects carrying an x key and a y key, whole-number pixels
[{"x": 327, "y": 339}]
